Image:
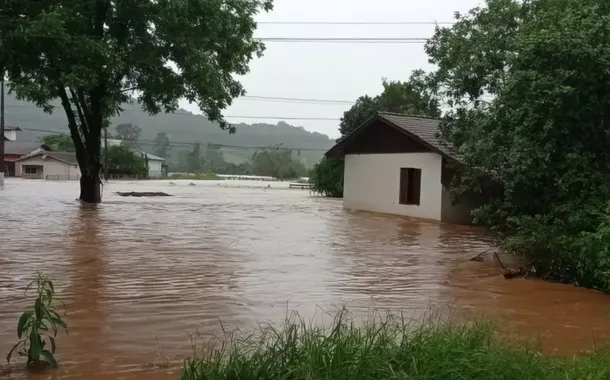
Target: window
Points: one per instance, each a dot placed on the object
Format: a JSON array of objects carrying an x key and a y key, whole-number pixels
[
  {"x": 30, "y": 169},
  {"x": 410, "y": 186}
]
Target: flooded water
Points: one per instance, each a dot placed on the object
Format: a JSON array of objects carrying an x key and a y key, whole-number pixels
[{"x": 137, "y": 275}]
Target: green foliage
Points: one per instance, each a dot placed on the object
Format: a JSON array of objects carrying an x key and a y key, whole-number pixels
[
  {"x": 413, "y": 97},
  {"x": 278, "y": 163},
  {"x": 194, "y": 161},
  {"x": 38, "y": 327},
  {"x": 162, "y": 145},
  {"x": 122, "y": 160},
  {"x": 327, "y": 177},
  {"x": 385, "y": 347},
  {"x": 93, "y": 55},
  {"x": 529, "y": 85},
  {"x": 129, "y": 133},
  {"x": 58, "y": 143}
]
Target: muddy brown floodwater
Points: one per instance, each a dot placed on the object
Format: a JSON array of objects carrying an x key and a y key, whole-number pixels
[{"x": 137, "y": 275}]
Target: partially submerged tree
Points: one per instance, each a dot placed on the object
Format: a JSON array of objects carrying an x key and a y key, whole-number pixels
[{"x": 94, "y": 55}]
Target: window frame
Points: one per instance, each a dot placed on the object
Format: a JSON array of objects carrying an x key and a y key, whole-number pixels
[{"x": 409, "y": 192}]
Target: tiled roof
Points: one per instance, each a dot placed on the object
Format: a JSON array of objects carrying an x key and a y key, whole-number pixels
[
  {"x": 422, "y": 127},
  {"x": 416, "y": 127},
  {"x": 67, "y": 157},
  {"x": 20, "y": 147}
]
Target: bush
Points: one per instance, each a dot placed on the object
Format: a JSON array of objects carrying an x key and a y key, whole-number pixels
[
  {"x": 327, "y": 177},
  {"x": 383, "y": 348},
  {"x": 38, "y": 327}
]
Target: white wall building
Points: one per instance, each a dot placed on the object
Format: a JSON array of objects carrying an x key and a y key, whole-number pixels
[
  {"x": 48, "y": 165},
  {"x": 155, "y": 165},
  {"x": 395, "y": 164},
  {"x": 10, "y": 133}
]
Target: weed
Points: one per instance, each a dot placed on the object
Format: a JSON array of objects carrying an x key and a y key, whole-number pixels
[
  {"x": 38, "y": 327},
  {"x": 385, "y": 347}
]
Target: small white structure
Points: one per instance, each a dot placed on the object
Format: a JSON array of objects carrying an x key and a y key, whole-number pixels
[
  {"x": 10, "y": 133},
  {"x": 48, "y": 165},
  {"x": 395, "y": 164},
  {"x": 155, "y": 165}
]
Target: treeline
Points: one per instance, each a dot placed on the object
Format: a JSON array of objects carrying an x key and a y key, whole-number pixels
[
  {"x": 273, "y": 161},
  {"x": 525, "y": 87}
]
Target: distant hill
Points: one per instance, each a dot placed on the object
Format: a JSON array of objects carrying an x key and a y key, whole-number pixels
[{"x": 180, "y": 128}]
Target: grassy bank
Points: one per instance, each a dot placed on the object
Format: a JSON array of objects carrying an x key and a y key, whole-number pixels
[
  {"x": 385, "y": 349},
  {"x": 199, "y": 176}
]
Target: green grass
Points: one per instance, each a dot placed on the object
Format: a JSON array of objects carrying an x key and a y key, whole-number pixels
[
  {"x": 199, "y": 176},
  {"x": 385, "y": 348}
]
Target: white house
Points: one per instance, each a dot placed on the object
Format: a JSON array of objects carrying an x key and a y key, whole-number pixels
[
  {"x": 395, "y": 164},
  {"x": 155, "y": 165},
  {"x": 48, "y": 165}
]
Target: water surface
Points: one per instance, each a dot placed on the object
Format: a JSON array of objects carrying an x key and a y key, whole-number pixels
[{"x": 138, "y": 275}]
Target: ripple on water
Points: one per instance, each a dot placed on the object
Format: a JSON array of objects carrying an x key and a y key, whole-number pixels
[{"x": 138, "y": 275}]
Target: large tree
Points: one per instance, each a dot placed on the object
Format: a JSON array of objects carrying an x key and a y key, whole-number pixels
[
  {"x": 162, "y": 145},
  {"x": 128, "y": 132},
  {"x": 529, "y": 87},
  {"x": 413, "y": 97},
  {"x": 95, "y": 55}
]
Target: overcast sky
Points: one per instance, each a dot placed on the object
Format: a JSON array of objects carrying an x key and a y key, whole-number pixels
[{"x": 338, "y": 71}]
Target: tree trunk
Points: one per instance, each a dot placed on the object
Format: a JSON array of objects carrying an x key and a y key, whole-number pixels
[{"x": 90, "y": 188}]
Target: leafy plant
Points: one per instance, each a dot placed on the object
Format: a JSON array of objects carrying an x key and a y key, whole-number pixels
[{"x": 37, "y": 328}]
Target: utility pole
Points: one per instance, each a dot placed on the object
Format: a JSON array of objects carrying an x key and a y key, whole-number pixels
[
  {"x": 2, "y": 165},
  {"x": 106, "y": 154}
]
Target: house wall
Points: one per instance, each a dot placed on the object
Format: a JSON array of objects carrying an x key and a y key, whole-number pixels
[
  {"x": 154, "y": 168},
  {"x": 51, "y": 168},
  {"x": 32, "y": 161},
  {"x": 10, "y": 134},
  {"x": 372, "y": 183}
]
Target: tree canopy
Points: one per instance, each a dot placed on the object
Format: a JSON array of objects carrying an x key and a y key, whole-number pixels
[
  {"x": 277, "y": 162},
  {"x": 95, "y": 55},
  {"x": 58, "y": 143},
  {"x": 529, "y": 89},
  {"x": 122, "y": 160}
]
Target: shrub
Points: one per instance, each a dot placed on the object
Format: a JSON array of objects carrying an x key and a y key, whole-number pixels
[{"x": 38, "y": 327}]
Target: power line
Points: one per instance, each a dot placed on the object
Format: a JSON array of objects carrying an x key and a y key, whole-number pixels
[
  {"x": 297, "y": 100},
  {"x": 186, "y": 143}
]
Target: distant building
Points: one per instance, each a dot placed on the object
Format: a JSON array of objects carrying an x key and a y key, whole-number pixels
[
  {"x": 395, "y": 164},
  {"x": 14, "y": 149},
  {"x": 48, "y": 165},
  {"x": 155, "y": 165},
  {"x": 10, "y": 133}
]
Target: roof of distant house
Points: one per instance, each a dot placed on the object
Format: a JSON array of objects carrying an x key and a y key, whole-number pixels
[
  {"x": 422, "y": 129},
  {"x": 9, "y": 128},
  {"x": 20, "y": 147},
  {"x": 152, "y": 156},
  {"x": 66, "y": 157}
]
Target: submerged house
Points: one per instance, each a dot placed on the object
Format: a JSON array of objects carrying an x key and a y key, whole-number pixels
[
  {"x": 43, "y": 164},
  {"x": 395, "y": 164}
]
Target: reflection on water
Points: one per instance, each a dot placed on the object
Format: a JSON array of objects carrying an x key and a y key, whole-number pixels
[{"x": 138, "y": 275}]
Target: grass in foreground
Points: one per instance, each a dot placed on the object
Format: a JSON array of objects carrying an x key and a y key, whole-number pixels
[
  {"x": 199, "y": 176},
  {"x": 386, "y": 348}
]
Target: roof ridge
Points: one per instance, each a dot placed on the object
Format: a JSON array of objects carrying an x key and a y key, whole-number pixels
[{"x": 408, "y": 115}]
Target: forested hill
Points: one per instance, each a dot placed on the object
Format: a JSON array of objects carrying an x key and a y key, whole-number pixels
[{"x": 181, "y": 127}]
